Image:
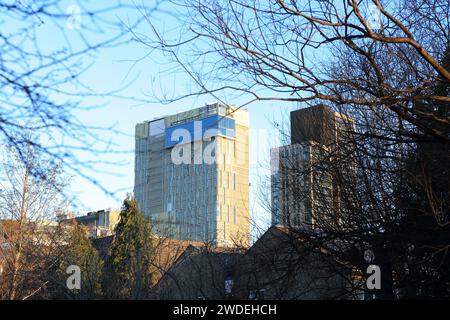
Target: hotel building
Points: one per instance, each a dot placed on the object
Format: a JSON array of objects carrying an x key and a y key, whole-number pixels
[{"x": 192, "y": 174}]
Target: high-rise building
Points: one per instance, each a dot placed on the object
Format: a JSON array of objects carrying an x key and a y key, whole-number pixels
[
  {"x": 192, "y": 174},
  {"x": 299, "y": 190},
  {"x": 303, "y": 179},
  {"x": 322, "y": 125}
]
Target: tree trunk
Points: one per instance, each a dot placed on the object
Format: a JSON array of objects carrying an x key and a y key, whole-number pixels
[{"x": 18, "y": 254}]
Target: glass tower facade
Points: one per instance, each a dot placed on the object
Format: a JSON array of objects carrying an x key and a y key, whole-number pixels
[{"x": 192, "y": 174}]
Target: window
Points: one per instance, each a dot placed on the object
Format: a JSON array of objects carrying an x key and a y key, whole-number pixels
[
  {"x": 228, "y": 286},
  {"x": 204, "y": 236},
  {"x": 212, "y": 198},
  {"x": 195, "y": 231},
  {"x": 195, "y": 198},
  {"x": 207, "y": 225},
  {"x": 234, "y": 215},
  {"x": 228, "y": 213},
  {"x": 230, "y": 150},
  {"x": 305, "y": 153},
  {"x": 234, "y": 181},
  {"x": 199, "y": 214},
  {"x": 256, "y": 294},
  {"x": 188, "y": 199},
  {"x": 192, "y": 218}
]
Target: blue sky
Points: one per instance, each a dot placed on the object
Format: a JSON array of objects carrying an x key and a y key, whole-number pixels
[
  {"x": 116, "y": 68},
  {"x": 122, "y": 67}
]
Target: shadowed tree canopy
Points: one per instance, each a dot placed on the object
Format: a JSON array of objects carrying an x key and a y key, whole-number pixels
[
  {"x": 382, "y": 63},
  {"x": 78, "y": 251},
  {"x": 129, "y": 270}
]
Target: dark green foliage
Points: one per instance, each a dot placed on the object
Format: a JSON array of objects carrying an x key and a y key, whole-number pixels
[
  {"x": 129, "y": 272},
  {"x": 81, "y": 253}
]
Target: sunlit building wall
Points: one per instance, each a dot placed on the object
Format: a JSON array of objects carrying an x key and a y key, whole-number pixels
[{"x": 192, "y": 174}]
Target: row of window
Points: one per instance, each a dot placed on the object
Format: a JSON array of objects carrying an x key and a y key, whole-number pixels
[
  {"x": 230, "y": 178},
  {"x": 227, "y": 210},
  {"x": 195, "y": 190},
  {"x": 197, "y": 232}
]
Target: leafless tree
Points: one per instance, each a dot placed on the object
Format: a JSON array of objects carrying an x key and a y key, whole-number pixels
[
  {"x": 47, "y": 46},
  {"x": 30, "y": 238},
  {"x": 301, "y": 51},
  {"x": 196, "y": 271},
  {"x": 386, "y": 66},
  {"x": 368, "y": 200}
]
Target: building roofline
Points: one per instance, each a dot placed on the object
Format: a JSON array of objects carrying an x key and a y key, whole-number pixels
[{"x": 206, "y": 105}]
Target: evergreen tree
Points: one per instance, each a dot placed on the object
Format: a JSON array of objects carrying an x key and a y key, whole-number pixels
[
  {"x": 129, "y": 272},
  {"x": 82, "y": 254}
]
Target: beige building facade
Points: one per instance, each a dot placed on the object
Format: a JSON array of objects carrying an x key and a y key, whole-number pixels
[{"x": 192, "y": 174}]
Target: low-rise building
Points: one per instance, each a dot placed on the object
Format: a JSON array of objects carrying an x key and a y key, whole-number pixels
[
  {"x": 202, "y": 272},
  {"x": 167, "y": 252},
  {"x": 99, "y": 223},
  {"x": 280, "y": 266}
]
